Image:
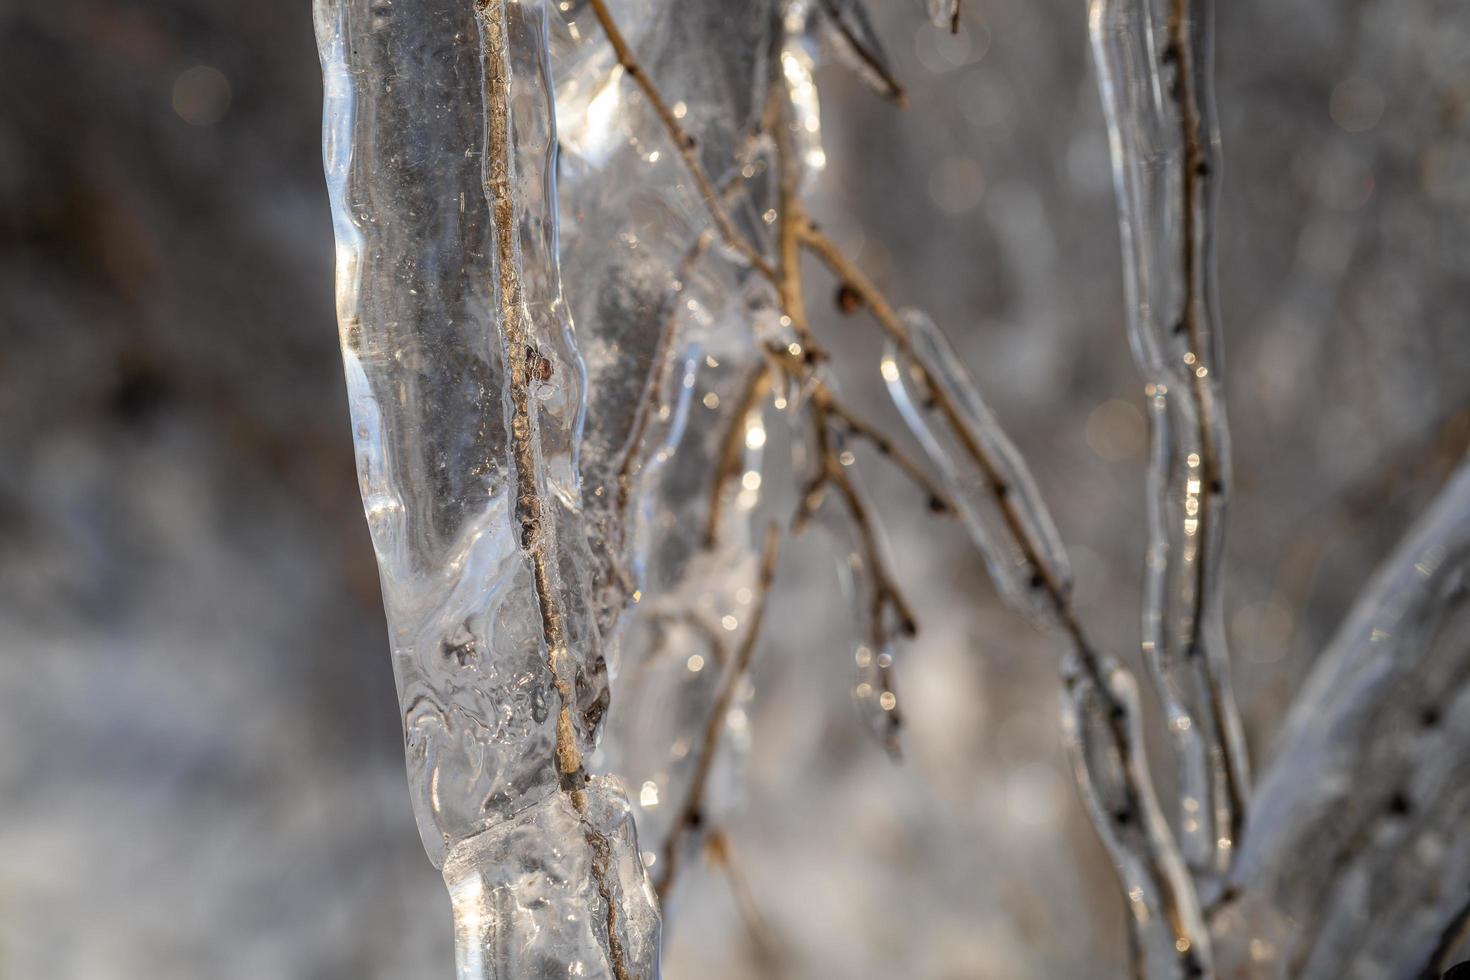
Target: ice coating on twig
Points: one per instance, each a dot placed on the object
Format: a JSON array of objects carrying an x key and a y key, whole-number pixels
[
  {"x": 1154, "y": 73},
  {"x": 466, "y": 391},
  {"x": 1014, "y": 531},
  {"x": 995, "y": 494},
  {"x": 1101, "y": 724},
  {"x": 1356, "y": 860},
  {"x": 851, "y": 33}
]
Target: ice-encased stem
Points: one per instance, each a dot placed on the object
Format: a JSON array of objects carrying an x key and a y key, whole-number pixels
[
  {"x": 467, "y": 398},
  {"x": 1012, "y": 527},
  {"x": 1158, "y": 103},
  {"x": 1356, "y": 861}
]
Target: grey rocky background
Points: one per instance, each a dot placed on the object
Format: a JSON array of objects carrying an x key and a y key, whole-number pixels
[{"x": 200, "y": 761}]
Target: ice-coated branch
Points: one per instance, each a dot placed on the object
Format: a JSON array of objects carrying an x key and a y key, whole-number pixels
[
  {"x": 858, "y": 43},
  {"x": 1356, "y": 863},
  {"x": 730, "y": 464},
  {"x": 1013, "y": 530},
  {"x": 653, "y": 407},
  {"x": 1155, "y": 77},
  {"x": 791, "y": 127},
  {"x": 466, "y": 390}
]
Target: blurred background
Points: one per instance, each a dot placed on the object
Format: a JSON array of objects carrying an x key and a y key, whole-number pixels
[{"x": 200, "y": 753}]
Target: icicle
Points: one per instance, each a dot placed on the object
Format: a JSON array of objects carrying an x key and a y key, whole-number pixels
[
  {"x": 944, "y": 13},
  {"x": 1155, "y": 80},
  {"x": 467, "y": 401},
  {"x": 805, "y": 115},
  {"x": 638, "y": 237},
  {"x": 1101, "y": 723},
  {"x": 1356, "y": 858},
  {"x": 851, "y": 33},
  {"x": 1000, "y": 504},
  {"x": 875, "y": 635}
]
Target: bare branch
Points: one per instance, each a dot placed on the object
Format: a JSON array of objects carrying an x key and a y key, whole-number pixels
[{"x": 1102, "y": 706}]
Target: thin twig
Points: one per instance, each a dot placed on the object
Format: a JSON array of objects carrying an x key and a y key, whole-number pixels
[
  {"x": 800, "y": 362},
  {"x": 721, "y": 853},
  {"x": 830, "y": 472},
  {"x": 691, "y": 814},
  {"x": 939, "y": 501},
  {"x": 1195, "y": 169},
  {"x": 788, "y": 269},
  {"x": 871, "y": 60},
  {"x": 1045, "y": 576},
  {"x": 882, "y": 310},
  {"x": 500, "y": 192}
]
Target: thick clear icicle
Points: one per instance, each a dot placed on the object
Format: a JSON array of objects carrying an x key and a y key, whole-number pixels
[
  {"x": 993, "y": 489},
  {"x": 1154, "y": 71},
  {"x": 1356, "y": 861},
  {"x": 466, "y": 395}
]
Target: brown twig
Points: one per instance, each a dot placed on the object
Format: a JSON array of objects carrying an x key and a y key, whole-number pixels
[
  {"x": 830, "y": 472},
  {"x": 1045, "y": 578},
  {"x": 721, "y": 853},
  {"x": 840, "y": 414},
  {"x": 788, "y": 250},
  {"x": 691, "y": 814},
  {"x": 799, "y": 362}
]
